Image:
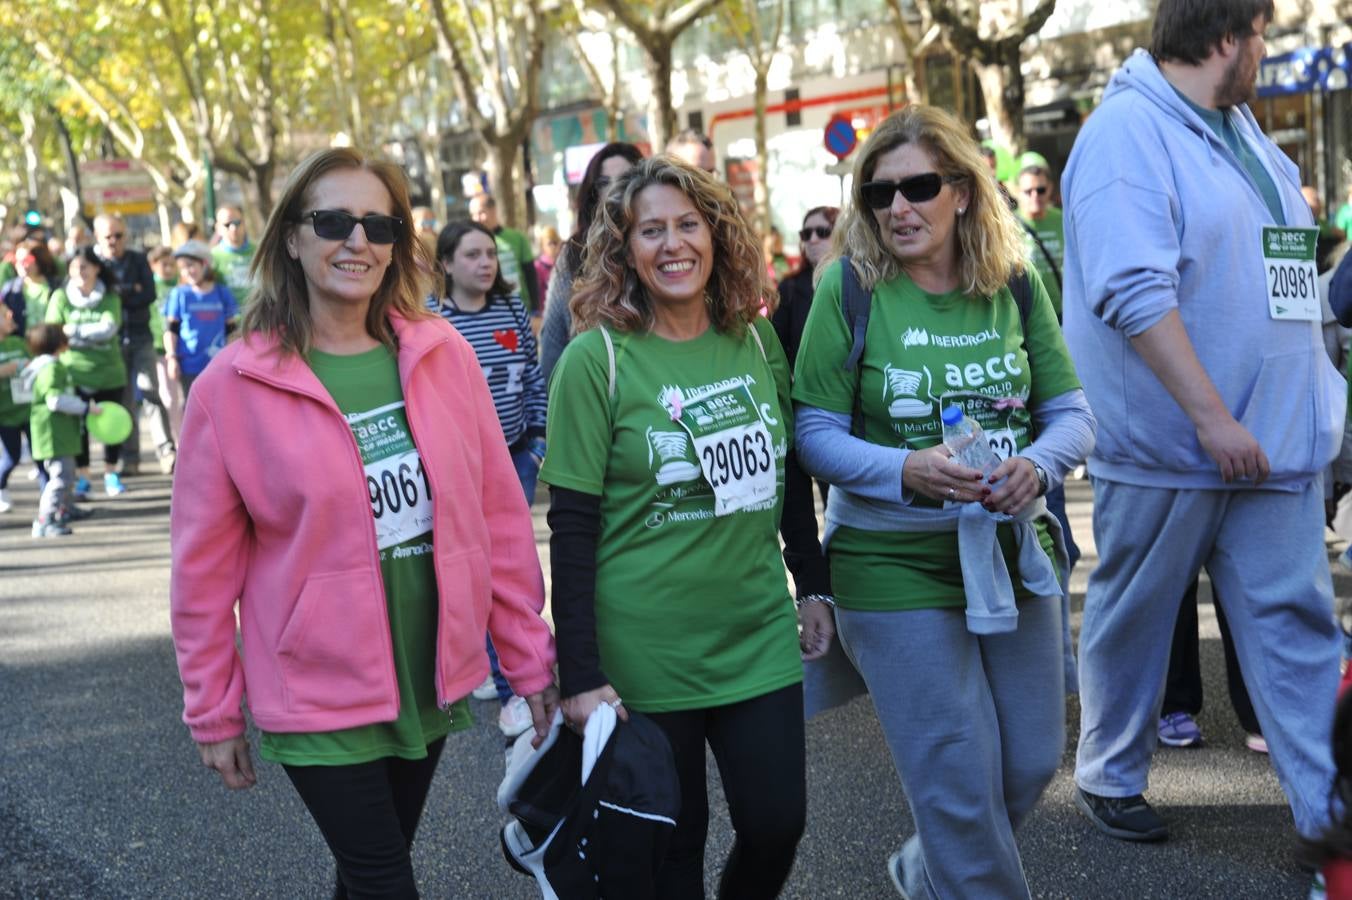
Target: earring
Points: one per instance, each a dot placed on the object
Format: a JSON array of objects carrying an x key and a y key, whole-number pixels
[{"x": 961, "y": 210}]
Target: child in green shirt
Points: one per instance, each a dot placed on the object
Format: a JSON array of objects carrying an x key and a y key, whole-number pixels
[
  {"x": 165, "y": 267},
  {"x": 13, "y": 401},
  {"x": 55, "y": 425}
]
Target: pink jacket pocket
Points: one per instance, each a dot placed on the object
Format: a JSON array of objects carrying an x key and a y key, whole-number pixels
[{"x": 334, "y": 652}]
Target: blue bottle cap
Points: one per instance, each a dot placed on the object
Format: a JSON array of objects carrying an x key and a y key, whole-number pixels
[{"x": 951, "y": 415}]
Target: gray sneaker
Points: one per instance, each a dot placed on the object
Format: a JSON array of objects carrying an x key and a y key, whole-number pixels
[
  {"x": 48, "y": 529},
  {"x": 1125, "y": 818}
]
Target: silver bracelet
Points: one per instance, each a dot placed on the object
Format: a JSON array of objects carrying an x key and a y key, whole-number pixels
[{"x": 815, "y": 598}]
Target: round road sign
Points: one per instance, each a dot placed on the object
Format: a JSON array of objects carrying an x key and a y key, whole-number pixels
[{"x": 840, "y": 138}]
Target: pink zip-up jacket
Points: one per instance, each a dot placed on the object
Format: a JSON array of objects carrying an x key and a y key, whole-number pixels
[{"x": 270, "y": 513}]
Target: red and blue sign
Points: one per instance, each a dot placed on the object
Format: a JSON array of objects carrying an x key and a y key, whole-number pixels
[{"x": 840, "y": 138}]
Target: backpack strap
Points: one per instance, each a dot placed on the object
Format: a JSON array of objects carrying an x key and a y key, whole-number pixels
[
  {"x": 855, "y": 304},
  {"x": 610, "y": 358},
  {"x": 1056, "y": 270},
  {"x": 759, "y": 343},
  {"x": 1021, "y": 286}
]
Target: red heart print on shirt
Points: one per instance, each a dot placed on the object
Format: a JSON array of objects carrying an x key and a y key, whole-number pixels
[{"x": 507, "y": 339}]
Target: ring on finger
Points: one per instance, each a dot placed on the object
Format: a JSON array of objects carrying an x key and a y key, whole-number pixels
[
  {"x": 952, "y": 494},
  {"x": 615, "y": 704}
]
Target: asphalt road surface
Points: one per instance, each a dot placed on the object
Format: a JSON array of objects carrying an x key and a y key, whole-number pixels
[{"x": 102, "y": 794}]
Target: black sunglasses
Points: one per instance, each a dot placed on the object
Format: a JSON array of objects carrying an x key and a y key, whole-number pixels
[
  {"x": 820, "y": 231},
  {"x": 1040, "y": 190},
  {"x": 916, "y": 189},
  {"x": 336, "y": 225}
]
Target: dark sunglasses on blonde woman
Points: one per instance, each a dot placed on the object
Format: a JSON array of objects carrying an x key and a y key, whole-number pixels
[
  {"x": 336, "y": 225},
  {"x": 916, "y": 189}
]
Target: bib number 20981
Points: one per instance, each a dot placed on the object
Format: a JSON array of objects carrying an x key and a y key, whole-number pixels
[{"x": 1290, "y": 282}]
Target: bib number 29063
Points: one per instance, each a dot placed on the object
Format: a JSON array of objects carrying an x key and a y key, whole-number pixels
[{"x": 733, "y": 457}]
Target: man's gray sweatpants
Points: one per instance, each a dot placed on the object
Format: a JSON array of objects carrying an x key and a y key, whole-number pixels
[
  {"x": 976, "y": 726},
  {"x": 1264, "y": 550}
]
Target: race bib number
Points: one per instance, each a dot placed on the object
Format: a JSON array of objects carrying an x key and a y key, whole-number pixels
[
  {"x": 1289, "y": 269},
  {"x": 19, "y": 391},
  {"x": 733, "y": 445},
  {"x": 396, "y": 483},
  {"x": 1003, "y": 442}
]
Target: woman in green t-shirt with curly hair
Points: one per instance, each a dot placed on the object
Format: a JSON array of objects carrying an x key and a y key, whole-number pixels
[{"x": 669, "y": 420}]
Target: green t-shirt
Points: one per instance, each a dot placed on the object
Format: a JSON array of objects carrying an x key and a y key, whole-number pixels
[
  {"x": 35, "y": 294},
  {"x": 1219, "y": 121},
  {"x": 922, "y": 353},
  {"x": 97, "y": 367},
  {"x": 515, "y": 260},
  {"x": 692, "y": 608},
  {"x": 366, "y": 388},
  {"x": 53, "y": 434},
  {"x": 232, "y": 269},
  {"x": 14, "y": 399},
  {"x": 1052, "y": 236},
  {"x": 162, "y": 288},
  {"x": 1342, "y": 220}
]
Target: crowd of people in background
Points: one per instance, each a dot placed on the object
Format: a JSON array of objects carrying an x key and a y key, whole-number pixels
[{"x": 690, "y": 393}]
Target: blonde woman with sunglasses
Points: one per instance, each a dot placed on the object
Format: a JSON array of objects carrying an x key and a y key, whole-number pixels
[
  {"x": 948, "y": 599},
  {"x": 344, "y": 487}
]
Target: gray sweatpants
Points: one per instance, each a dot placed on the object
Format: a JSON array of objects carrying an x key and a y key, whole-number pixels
[
  {"x": 1265, "y": 553},
  {"x": 60, "y": 478},
  {"x": 976, "y": 725}
]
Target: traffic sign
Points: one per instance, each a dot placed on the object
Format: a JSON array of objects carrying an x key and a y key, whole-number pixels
[
  {"x": 116, "y": 186},
  {"x": 840, "y": 138}
]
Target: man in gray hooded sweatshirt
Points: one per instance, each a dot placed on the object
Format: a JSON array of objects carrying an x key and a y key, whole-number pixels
[{"x": 1192, "y": 319}]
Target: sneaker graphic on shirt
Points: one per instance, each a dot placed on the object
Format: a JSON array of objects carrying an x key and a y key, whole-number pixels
[
  {"x": 671, "y": 450},
  {"x": 903, "y": 385}
]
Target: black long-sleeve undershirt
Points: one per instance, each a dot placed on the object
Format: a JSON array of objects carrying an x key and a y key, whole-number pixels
[{"x": 575, "y": 525}]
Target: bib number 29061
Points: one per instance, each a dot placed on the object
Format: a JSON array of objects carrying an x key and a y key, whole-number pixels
[{"x": 396, "y": 488}]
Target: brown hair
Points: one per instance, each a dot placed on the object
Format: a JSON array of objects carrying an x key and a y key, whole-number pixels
[
  {"x": 608, "y": 292},
  {"x": 42, "y": 254},
  {"x": 45, "y": 338},
  {"x": 990, "y": 239},
  {"x": 279, "y": 302}
]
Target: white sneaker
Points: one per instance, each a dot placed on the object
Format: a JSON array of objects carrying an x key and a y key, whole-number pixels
[
  {"x": 486, "y": 691},
  {"x": 515, "y": 717},
  {"x": 5, "y": 505}
]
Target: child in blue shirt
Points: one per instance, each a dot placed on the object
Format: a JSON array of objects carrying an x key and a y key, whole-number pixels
[{"x": 198, "y": 315}]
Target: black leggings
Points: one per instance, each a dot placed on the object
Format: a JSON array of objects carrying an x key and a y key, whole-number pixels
[
  {"x": 759, "y": 747},
  {"x": 112, "y": 453},
  {"x": 368, "y": 814}
]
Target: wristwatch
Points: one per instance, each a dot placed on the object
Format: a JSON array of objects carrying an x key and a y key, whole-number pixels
[{"x": 1041, "y": 478}]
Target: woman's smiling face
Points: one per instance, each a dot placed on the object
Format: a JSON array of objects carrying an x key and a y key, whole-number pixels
[{"x": 670, "y": 246}]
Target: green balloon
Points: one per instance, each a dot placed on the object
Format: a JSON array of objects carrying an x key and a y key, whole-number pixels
[{"x": 112, "y": 425}]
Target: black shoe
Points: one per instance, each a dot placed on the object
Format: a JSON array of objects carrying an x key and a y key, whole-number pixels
[{"x": 1125, "y": 818}]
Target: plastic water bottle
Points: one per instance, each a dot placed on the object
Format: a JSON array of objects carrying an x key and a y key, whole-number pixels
[{"x": 967, "y": 442}]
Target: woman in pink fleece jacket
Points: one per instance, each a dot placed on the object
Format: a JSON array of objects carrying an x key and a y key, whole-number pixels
[{"x": 343, "y": 485}]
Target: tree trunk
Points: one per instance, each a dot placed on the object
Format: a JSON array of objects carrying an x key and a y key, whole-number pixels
[
  {"x": 760, "y": 193},
  {"x": 661, "y": 114},
  {"x": 994, "y": 89},
  {"x": 260, "y": 179},
  {"x": 503, "y": 172},
  {"x": 30, "y": 154}
]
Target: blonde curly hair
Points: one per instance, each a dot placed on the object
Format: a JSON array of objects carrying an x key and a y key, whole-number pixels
[
  {"x": 608, "y": 291},
  {"x": 990, "y": 239}
]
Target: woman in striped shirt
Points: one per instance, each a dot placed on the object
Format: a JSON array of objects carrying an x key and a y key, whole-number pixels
[{"x": 485, "y": 308}]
